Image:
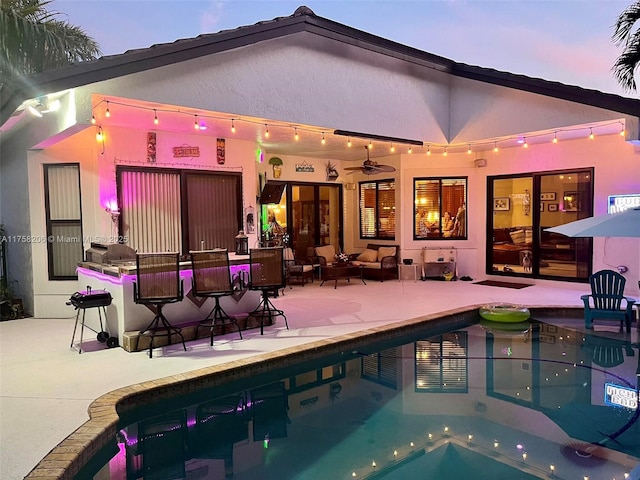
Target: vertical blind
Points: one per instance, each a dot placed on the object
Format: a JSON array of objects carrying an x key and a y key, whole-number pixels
[
  {"x": 212, "y": 202},
  {"x": 64, "y": 221},
  {"x": 151, "y": 210}
]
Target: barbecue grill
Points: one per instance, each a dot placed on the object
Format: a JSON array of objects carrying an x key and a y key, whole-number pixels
[{"x": 90, "y": 298}]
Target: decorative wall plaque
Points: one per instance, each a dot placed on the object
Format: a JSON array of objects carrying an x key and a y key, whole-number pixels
[
  {"x": 186, "y": 151},
  {"x": 220, "y": 150}
]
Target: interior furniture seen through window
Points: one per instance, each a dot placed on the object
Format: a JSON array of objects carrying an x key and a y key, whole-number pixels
[
  {"x": 378, "y": 209},
  {"x": 440, "y": 208},
  {"x": 522, "y": 207},
  {"x": 179, "y": 210},
  {"x": 64, "y": 220}
]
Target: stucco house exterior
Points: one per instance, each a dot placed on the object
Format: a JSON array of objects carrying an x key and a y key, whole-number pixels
[{"x": 314, "y": 86}]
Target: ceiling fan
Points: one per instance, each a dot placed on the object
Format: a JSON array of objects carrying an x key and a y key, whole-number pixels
[{"x": 370, "y": 167}]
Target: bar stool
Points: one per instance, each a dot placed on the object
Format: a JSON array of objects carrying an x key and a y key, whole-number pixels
[
  {"x": 212, "y": 278},
  {"x": 157, "y": 284},
  {"x": 267, "y": 275}
]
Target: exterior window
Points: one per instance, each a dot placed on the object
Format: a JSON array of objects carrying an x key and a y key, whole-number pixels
[
  {"x": 440, "y": 208},
  {"x": 378, "y": 209},
  {"x": 64, "y": 220},
  {"x": 381, "y": 367},
  {"x": 441, "y": 363},
  {"x": 172, "y": 210}
]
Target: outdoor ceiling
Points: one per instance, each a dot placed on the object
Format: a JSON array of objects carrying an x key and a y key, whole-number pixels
[{"x": 282, "y": 141}]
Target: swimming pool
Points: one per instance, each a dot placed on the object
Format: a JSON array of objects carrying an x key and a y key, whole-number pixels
[{"x": 457, "y": 399}]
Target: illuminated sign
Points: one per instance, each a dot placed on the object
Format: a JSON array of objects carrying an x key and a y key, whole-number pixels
[
  {"x": 620, "y": 203},
  {"x": 620, "y": 396}
]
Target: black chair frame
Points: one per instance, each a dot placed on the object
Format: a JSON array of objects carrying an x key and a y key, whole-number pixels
[
  {"x": 217, "y": 316},
  {"x": 159, "y": 326},
  {"x": 266, "y": 310}
]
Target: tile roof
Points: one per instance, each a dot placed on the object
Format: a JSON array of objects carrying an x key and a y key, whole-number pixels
[{"x": 302, "y": 20}]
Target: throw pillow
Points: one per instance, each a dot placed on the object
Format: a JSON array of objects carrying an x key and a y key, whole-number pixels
[
  {"x": 327, "y": 251},
  {"x": 517, "y": 237},
  {"x": 386, "y": 252},
  {"x": 368, "y": 256}
]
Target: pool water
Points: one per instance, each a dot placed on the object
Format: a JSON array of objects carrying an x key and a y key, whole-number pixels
[{"x": 486, "y": 401}]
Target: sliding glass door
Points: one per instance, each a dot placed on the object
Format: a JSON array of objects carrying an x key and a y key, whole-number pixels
[
  {"x": 522, "y": 207},
  {"x": 311, "y": 215}
]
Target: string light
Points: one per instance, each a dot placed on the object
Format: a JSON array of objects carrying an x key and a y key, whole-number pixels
[
  {"x": 323, "y": 140},
  {"x": 196, "y": 125},
  {"x": 99, "y": 135},
  {"x": 295, "y": 134},
  {"x": 410, "y": 150},
  {"x": 471, "y": 147}
]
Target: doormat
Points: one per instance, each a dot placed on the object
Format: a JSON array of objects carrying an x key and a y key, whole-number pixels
[{"x": 496, "y": 283}]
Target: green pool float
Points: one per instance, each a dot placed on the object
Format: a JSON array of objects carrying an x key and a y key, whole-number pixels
[{"x": 504, "y": 312}]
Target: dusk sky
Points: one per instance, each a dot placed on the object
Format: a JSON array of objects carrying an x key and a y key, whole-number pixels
[{"x": 565, "y": 41}]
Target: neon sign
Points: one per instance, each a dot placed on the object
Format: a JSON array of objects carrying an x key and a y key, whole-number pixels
[
  {"x": 620, "y": 203},
  {"x": 620, "y": 396}
]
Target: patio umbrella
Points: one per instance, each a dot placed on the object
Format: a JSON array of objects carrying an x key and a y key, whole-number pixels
[{"x": 623, "y": 224}]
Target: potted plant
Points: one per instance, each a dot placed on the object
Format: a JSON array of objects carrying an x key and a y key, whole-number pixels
[{"x": 276, "y": 162}]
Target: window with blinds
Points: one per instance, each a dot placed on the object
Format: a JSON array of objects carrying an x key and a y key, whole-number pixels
[
  {"x": 64, "y": 220},
  {"x": 378, "y": 209},
  {"x": 381, "y": 368},
  {"x": 440, "y": 208},
  {"x": 179, "y": 210},
  {"x": 442, "y": 364}
]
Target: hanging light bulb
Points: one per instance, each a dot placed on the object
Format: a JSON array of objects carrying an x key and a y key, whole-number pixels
[
  {"x": 107, "y": 113},
  {"x": 495, "y": 147},
  {"x": 266, "y": 131},
  {"x": 410, "y": 150},
  {"x": 196, "y": 125},
  {"x": 525, "y": 144},
  {"x": 323, "y": 140},
  {"x": 393, "y": 149},
  {"x": 428, "y": 149},
  {"x": 591, "y": 135},
  {"x": 233, "y": 127},
  {"x": 155, "y": 117},
  {"x": 93, "y": 119},
  {"x": 622, "y": 132},
  {"x": 555, "y": 137},
  {"x": 468, "y": 149},
  {"x": 445, "y": 152},
  {"x": 99, "y": 135},
  {"x": 296, "y": 136},
  {"x": 370, "y": 145}
]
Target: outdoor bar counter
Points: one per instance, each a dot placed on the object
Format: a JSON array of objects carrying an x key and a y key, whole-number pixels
[{"x": 125, "y": 316}]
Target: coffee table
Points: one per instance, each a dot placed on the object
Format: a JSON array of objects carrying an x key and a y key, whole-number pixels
[{"x": 340, "y": 270}]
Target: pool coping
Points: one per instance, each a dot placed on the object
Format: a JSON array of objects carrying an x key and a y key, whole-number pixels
[{"x": 67, "y": 459}]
